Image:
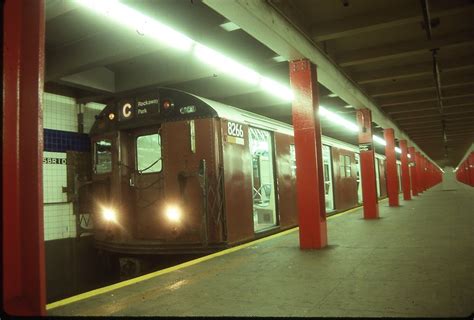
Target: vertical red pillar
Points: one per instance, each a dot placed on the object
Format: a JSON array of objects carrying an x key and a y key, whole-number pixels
[
  {"x": 419, "y": 172},
  {"x": 309, "y": 163},
  {"x": 413, "y": 173},
  {"x": 392, "y": 176},
  {"x": 405, "y": 172},
  {"x": 471, "y": 168},
  {"x": 367, "y": 165},
  {"x": 23, "y": 243}
]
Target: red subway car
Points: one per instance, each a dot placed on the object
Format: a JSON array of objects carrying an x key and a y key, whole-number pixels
[{"x": 177, "y": 173}]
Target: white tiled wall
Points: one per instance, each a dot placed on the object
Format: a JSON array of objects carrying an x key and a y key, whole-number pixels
[
  {"x": 60, "y": 113},
  {"x": 59, "y": 221},
  {"x": 54, "y": 178}
]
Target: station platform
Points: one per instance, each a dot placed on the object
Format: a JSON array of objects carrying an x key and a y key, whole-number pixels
[{"x": 417, "y": 260}]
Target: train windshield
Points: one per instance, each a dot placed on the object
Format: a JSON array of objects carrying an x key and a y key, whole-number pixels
[
  {"x": 149, "y": 153},
  {"x": 103, "y": 156}
]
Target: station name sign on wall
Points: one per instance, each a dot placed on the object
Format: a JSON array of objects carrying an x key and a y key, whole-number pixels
[{"x": 49, "y": 160}]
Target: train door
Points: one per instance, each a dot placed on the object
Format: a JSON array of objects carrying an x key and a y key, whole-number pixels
[
  {"x": 263, "y": 179},
  {"x": 377, "y": 175},
  {"x": 147, "y": 181},
  {"x": 359, "y": 179},
  {"x": 328, "y": 185}
]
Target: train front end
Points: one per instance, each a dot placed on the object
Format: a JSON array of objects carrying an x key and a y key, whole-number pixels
[{"x": 156, "y": 176}]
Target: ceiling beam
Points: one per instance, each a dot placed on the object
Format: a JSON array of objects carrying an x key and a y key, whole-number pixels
[
  {"x": 378, "y": 20},
  {"x": 439, "y": 128},
  {"x": 413, "y": 71},
  {"x": 96, "y": 51},
  {"x": 436, "y": 115},
  {"x": 402, "y": 50},
  {"x": 434, "y": 107},
  {"x": 408, "y": 88},
  {"x": 409, "y": 121},
  {"x": 98, "y": 79},
  {"x": 453, "y": 93},
  {"x": 260, "y": 20}
]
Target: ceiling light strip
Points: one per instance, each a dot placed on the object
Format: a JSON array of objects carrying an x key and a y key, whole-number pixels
[{"x": 152, "y": 28}]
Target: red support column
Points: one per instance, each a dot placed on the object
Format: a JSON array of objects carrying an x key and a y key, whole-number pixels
[
  {"x": 413, "y": 173},
  {"x": 392, "y": 176},
  {"x": 367, "y": 165},
  {"x": 405, "y": 173},
  {"x": 471, "y": 168},
  {"x": 309, "y": 163},
  {"x": 24, "y": 291},
  {"x": 419, "y": 172}
]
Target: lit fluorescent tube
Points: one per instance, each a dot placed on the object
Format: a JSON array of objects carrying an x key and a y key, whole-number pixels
[
  {"x": 337, "y": 119},
  {"x": 379, "y": 140},
  {"x": 139, "y": 22},
  {"x": 226, "y": 64},
  {"x": 276, "y": 89}
]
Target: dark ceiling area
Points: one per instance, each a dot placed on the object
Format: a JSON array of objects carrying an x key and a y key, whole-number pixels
[
  {"x": 421, "y": 77},
  {"x": 415, "y": 59}
]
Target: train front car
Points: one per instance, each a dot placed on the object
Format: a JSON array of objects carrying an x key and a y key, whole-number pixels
[{"x": 156, "y": 175}]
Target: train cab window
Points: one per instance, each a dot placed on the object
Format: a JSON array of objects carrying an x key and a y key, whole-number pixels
[
  {"x": 149, "y": 153},
  {"x": 103, "y": 156}
]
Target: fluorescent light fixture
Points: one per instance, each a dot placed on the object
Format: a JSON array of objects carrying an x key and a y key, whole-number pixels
[
  {"x": 337, "y": 119},
  {"x": 332, "y": 95},
  {"x": 139, "y": 22},
  {"x": 379, "y": 140},
  {"x": 278, "y": 59},
  {"x": 229, "y": 26},
  {"x": 277, "y": 89},
  {"x": 348, "y": 107},
  {"x": 226, "y": 64},
  {"x": 398, "y": 150}
]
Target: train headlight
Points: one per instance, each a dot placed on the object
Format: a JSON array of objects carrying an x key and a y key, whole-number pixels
[
  {"x": 109, "y": 214},
  {"x": 173, "y": 214}
]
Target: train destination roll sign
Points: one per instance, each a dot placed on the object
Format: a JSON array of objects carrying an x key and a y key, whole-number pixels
[{"x": 140, "y": 107}]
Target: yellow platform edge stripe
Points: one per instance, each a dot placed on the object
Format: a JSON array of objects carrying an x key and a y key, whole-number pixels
[{"x": 151, "y": 275}]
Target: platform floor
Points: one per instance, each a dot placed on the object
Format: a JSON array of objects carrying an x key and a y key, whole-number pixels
[{"x": 415, "y": 261}]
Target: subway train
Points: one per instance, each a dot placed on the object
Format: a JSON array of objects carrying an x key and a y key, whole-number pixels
[{"x": 174, "y": 173}]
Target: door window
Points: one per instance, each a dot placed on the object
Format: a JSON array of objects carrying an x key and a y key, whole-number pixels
[
  {"x": 263, "y": 179},
  {"x": 149, "y": 153},
  {"x": 328, "y": 187},
  {"x": 103, "y": 156}
]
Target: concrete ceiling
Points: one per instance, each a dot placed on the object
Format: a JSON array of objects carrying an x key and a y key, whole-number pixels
[
  {"x": 384, "y": 47},
  {"x": 380, "y": 46}
]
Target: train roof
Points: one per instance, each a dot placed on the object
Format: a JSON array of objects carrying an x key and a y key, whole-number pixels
[{"x": 200, "y": 107}]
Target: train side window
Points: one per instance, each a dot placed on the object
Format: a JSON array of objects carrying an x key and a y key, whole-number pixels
[
  {"x": 347, "y": 165},
  {"x": 149, "y": 153},
  {"x": 103, "y": 156},
  {"x": 342, "y": 168},
  {"x": 293, "y": 160}
]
